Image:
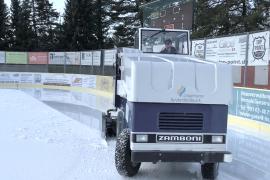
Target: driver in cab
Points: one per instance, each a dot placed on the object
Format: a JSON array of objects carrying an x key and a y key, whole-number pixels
[{"x": 168, "y": 49}]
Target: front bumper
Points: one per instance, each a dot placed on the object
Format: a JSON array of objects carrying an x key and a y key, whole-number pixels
[{"x": 183, "y": 156}]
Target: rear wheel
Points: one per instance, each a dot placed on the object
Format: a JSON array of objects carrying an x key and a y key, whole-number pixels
[
  {"x": 123, "y": 163},
  {"x": 210, "y": 170}
]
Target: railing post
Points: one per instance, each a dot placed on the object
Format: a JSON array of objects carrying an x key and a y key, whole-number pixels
[
  {"x": 246, "y": 62},
  {"x": 65, "y": 62},
  {"x": 103, "y": 62},
  {"x": 205, "y": 40}
]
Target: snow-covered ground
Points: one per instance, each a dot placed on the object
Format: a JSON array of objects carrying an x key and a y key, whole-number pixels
[{"x": 38, "y": 142}]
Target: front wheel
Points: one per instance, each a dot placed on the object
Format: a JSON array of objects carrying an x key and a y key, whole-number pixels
[
  {"x": 210, "y": 170},
  {"x": 123, "y": 163},
  {"x": 120, "y": 122}
]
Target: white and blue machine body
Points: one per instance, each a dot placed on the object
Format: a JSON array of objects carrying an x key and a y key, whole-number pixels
[{"x": 174, "y": 106}]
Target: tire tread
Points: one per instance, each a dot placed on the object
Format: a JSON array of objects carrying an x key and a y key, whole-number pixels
[{"x": 123, "y": 162}]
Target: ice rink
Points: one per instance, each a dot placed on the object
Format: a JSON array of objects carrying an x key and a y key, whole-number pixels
[{"x": 55, "y": 135}]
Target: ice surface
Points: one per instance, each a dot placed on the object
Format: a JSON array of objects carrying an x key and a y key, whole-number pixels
[{"x": 38, "y": 142}]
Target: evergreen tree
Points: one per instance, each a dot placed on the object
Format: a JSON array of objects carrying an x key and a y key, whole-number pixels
[
  {"x": 213, "y": 18},
  {"x": 59, "y": 34},
  {"x": 46, "y": 21},
  {"x": 34, "y": 23},
  {"x": 80, "y": 32},
  {"x": 100, "y": 15},
  {"x": 3, "y": 26},
  {"x": 101, "y": 24},
  {"x": 103, "y": 19},
  {"x": 27, "y": 33},
  {"x": 260, "y": 18},
  {"x": 205, "y": 19},
  {"x": 15, "y": 10},
  {"x": 127, "y": 19},
  {"x": 22, "y": 34}
]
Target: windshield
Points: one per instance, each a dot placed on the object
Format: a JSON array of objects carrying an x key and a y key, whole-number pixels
[{"x": 165, "y": 42}]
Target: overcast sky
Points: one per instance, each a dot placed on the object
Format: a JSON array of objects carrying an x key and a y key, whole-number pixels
[{"x": 59, "y": 5}]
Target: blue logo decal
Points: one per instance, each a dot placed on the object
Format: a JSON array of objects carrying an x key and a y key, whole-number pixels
[{"x": 181, "y": 91}]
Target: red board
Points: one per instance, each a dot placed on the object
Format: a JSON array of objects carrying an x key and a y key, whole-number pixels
[
  {"x": 250, "y": 79},
  {"x": 38, "y": 58}
]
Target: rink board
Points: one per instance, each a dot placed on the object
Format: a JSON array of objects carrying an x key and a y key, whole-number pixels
[
  {"x": 243, "y": 123},
  {"x": 99, "y": 85},
  {"x": 251, "y": 104},
  {"x": 250, "y": 108}
]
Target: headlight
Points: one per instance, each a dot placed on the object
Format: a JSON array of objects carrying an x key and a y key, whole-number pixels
[
  {"x": 141, "y": 138},
  {"x": 228, "y": 158},
  {"x": 217, "y": 139}
]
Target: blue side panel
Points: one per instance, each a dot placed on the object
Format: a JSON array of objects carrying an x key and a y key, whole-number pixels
[
  {"x": 144, "y": 117},
  {"x": 251, "y": 104}
]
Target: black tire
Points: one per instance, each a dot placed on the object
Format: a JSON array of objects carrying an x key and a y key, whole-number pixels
[
  {"x": 210, "y": 170},
  {"x": 120, "y": 122},
  {"x": 123, "y": 162}
]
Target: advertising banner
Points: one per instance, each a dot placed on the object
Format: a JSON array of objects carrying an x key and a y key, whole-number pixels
[
  {"x": 38, "y": 57},
  {"x": 259, "y": 49},
  {"x": 9, "y": 78},
  {"x": 27, "y": 78},
  {"x": 85, "y": 81},
  {"x": 109, "y": 57},
  {"x": 198, "y": 48},
  {"x": 56, "y": 79},
  {"x": 251, "y": 104},
  {"x": 2, "y": 57},
  {"x": 89, "y": 81},
  {"x": 57, "y": 58},
  {"x": 73, "y": 80},
  {"x": 87, "y": 58},
  {"x": 73, "y": 58},
  {"x": 229, "y": 50},
  {"x": 105, "y": 83},
  {"x": 76, "y": 80},
  {"x": 96, "y": 58},
  {"x": 16, "y": 57},
  {"x": 38, "y": 78}
]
